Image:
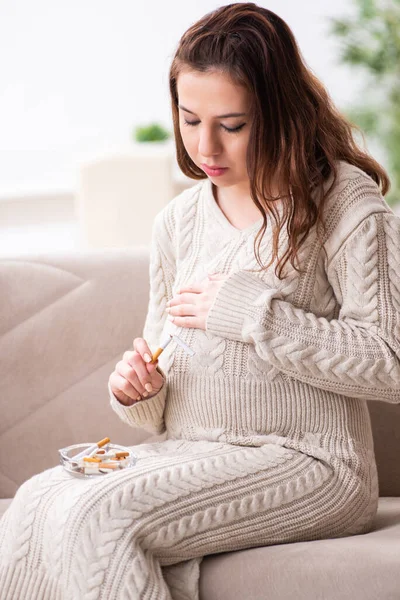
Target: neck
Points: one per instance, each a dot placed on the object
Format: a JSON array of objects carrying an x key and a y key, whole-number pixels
[{"x": 236, "y": 202}]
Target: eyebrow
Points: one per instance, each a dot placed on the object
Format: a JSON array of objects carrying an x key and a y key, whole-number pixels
[{"x": 218, "y": 117}]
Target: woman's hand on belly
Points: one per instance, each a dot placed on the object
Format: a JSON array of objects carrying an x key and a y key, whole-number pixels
[{"x": 190, "y": 307}]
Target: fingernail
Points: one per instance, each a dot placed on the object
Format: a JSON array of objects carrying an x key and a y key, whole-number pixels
[
  {"x": 170, "y": 318},
  {"x": 149, "y": 387},
  {"x": 145, "y": 394},
  {"x": 147, "y": 357}
]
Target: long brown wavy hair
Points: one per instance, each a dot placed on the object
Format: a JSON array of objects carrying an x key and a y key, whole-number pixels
[{"x": 297, "y": 133}]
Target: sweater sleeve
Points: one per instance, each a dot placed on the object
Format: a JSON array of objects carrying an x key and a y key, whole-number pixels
[
  {"x": 148, "y": 413},
  {"x": 357, "y": 354}
]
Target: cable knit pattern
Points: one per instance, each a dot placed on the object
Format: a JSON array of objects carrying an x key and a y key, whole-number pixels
[
  {"x": 268, "y": 430},
  {"x": 357, "y": 354}
]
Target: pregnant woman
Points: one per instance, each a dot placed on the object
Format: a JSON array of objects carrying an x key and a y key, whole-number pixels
[{"x": 280, "y": 269}]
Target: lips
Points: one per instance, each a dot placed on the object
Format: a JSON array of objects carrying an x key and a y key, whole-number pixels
[
  {"x": 210, "y": 167},
  {"x": 214, "y": 171}
]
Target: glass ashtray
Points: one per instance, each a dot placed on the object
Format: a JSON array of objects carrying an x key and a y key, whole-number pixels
[{"x": 76, "y": 468}]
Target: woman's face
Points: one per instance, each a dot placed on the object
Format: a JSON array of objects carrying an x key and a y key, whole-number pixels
[{"x": 210, "y": 138}]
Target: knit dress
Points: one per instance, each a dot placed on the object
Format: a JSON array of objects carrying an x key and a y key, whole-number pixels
[{"x": 268, "y": 433}]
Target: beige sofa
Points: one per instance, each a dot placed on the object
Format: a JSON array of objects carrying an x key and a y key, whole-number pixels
[{"x": 65, "y": 320}]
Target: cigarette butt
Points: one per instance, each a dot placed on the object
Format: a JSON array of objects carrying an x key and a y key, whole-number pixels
[
  {"x": 121, "y": 454},
  {"x": 100, "y": 452},
  {"x": 107, "y": 456},
  {"x": 91, "y": 469},
  {"x": 103, "y": 442},
  {"x": 91, "y": 459},
  {"x": 108, "y": 466}
]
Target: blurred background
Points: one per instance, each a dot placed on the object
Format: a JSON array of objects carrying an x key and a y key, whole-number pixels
[{"x": 87, "y": 156}]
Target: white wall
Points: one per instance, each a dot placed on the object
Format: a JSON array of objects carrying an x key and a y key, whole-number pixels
[{"x": 77, "y": 75}]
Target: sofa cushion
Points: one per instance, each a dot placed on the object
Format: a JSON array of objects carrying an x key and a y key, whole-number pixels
[
  {"x": 361, "y": 567},
  {"x": 385, "y": 419},
  {"x": 65, "y": 321}
]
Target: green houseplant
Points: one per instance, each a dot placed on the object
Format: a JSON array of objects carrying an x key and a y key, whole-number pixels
[
  {"x": 150, "y": 133},
  {"x": 370, "y": 40}
]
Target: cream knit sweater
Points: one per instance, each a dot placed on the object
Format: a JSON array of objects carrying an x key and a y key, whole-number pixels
[{"x": 269, "y": 436}]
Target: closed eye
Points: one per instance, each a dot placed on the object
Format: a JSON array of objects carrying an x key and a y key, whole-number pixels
[{"x": 234, "y": 130}]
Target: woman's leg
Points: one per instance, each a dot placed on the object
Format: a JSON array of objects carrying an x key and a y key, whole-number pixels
[
  {"x": 114, "y": 537},
  {"x": 203, "y": 498}
]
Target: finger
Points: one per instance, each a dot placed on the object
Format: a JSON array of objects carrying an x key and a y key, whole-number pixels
[
  {"x": 182, "y": 310},
  {"x": 125, "y": 370},
  {"x": 123, "y": 389},
  {"x": 138, "y": 364},
  {"x": 194, "y": 287},
  {"x": 157, "y": 380},
  {"x": 184, "y": 321},
  {"x": 128, "y": 355},
  {"x": 185, "y": 298},
  {"x": 141, "y": 346},
  {"x": 130, "y": 373}
]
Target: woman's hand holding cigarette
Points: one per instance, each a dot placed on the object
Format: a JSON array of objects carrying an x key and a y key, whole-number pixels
[{"x": 134, "y": 377}]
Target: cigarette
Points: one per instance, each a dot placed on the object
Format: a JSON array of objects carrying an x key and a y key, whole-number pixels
[
  {"x": 165, "y": 343},
  {"x": 92, "y": 449},
  {"x": 160, "y": 349},
  {"x": 121, "y": 454}
]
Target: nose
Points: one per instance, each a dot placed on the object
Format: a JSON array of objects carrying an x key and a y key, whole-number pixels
[{"x": 209, "y": 143}]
